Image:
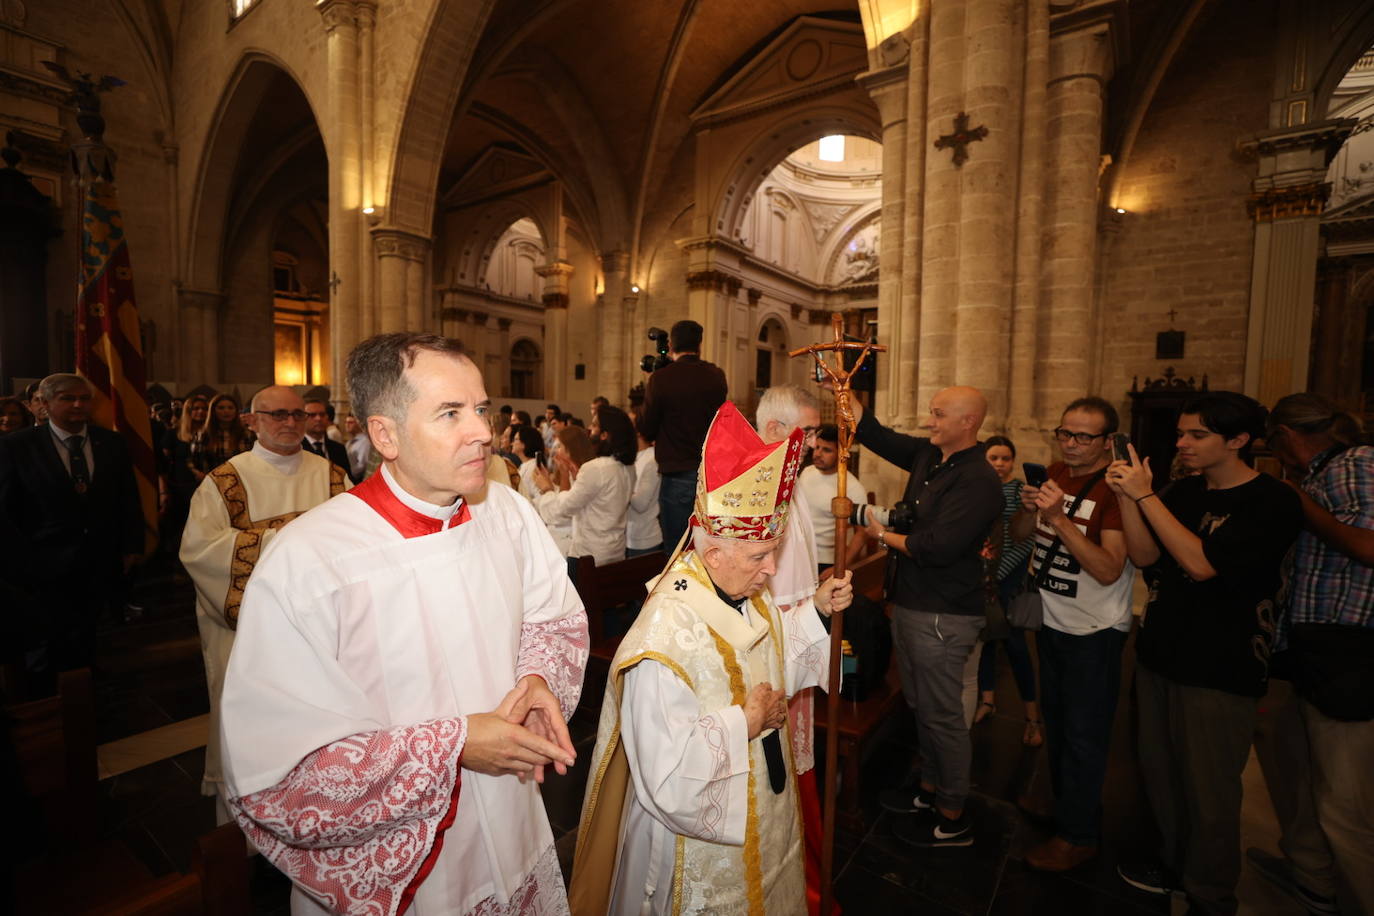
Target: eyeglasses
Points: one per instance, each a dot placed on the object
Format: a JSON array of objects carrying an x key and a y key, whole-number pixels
[
  {"x": 281, "y": 416},
  {"x": 1064, "y": 435},
  {"x": 809, "y": 431}
]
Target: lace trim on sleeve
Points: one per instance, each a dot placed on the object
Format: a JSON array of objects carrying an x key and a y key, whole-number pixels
[{"x": 557, "y": 651}]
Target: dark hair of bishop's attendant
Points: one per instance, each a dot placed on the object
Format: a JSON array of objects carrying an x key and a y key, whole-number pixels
[
  {"x": 376, "y": 371},
  {"x": 990, "y": 441},
  {"x": 828, "y": 432},
  {"x": 1228, "y": 414}
]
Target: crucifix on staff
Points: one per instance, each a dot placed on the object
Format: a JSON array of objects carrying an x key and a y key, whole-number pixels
[{"x": 841, "y": 507}]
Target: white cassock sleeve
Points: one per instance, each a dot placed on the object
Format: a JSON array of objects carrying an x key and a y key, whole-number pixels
[
  {"x": 690, "y": 772},
  {"x": 808, "y": 647}
]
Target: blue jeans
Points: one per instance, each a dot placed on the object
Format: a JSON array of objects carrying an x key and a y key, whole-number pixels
[
  {"x": 1080, "y": 677},
  {"x": 676, "y": 495}
]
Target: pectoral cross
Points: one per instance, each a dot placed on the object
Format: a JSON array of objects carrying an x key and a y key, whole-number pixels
[{"x": 840, "y": 508}]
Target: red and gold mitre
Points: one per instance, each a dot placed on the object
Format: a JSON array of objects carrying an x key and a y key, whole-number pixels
[{"x": 744, "y": 487}]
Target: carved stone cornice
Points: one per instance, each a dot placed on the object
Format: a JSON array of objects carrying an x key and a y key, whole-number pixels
[
  {"x": 34, "y": 89},
  {"x": 717, "y": 280},
  {"x": 1326, "y": 136},
  {"x": 754, "y": 294},
  {"x": 480, "y": 319},
  {"x": 1289, "y": 202},
  {"x": 504, "y": 323},
  {"x": 397, "y": 243},
  {"x": 817, "y": 316},
  {"x": 554, "y": 269}
]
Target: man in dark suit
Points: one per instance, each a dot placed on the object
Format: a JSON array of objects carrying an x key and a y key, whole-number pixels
[
  {"x": 316, "y": 439},
  {"x": 72, "y": 525}
]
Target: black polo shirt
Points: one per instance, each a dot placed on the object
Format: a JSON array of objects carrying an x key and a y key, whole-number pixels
[
  {"x": 955, "y": 504},
  {"x": 680, "y": 400}
]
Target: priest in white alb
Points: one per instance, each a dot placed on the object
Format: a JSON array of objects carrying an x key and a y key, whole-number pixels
[
  {"x": 692, "y": 805},
  {"x": 235, "y": 512},
  {"x": 409, "y": 654}
]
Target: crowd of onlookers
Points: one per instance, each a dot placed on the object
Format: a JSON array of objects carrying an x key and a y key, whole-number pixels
[{"x": 1257, "y": 584}]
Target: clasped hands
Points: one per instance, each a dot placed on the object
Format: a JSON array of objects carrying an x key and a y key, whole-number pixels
[
  {"x": 523, "y": 735},
  {"x": 764, "y": 708}
]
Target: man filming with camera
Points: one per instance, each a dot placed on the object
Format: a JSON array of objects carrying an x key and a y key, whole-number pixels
[
  {"x": 680, "y": 399},
  {"x": 938, "y": 599}
]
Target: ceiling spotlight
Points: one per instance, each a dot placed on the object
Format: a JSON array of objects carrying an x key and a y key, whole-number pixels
[
  {"x": 1120, "y": 209},
  {"x": 369, "y": 210},
  {"x": 634, "y": 287}
]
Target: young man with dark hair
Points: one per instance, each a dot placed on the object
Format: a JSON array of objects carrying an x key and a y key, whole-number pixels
[
  {"x": 679, "y": 401},
  {"x": 1087, "y": 605},
  {"x": 819, "y": 484},
  {"x": 1213, "y": 545}
]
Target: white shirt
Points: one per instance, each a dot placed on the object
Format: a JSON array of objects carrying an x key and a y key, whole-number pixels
[
  {"x": 596, "y": 504},
  {"x": 61, "y": 435},
  {"x": 642, "y": 530},
  {"x": 527, "y": 487},
  {"x": 819, "y": 489}
]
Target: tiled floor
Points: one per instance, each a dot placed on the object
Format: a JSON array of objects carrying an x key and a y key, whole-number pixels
[{"x": 150, "y": 677}]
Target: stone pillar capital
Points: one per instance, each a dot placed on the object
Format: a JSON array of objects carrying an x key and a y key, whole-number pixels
[
  {"x": 365, "y": 12},
  {"x": 554, "y": 269},
  {"x": 397, "y": 243},
  {"x": 337, "y": 13},
  {"x": 189, "y": 297},
  {"x": 1087, "y": 38},
  {"x": 888, "y": 88},
  {"x": 615, "y": 262}
]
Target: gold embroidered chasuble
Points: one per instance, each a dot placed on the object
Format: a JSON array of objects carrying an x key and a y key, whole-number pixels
[
  {"x": 711, "y": 648},
  {"x": 234, "y": 513}
]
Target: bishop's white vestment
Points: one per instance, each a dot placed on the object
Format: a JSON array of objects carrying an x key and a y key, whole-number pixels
[
  {"x": 234, "y": 514},
  {"x": 679, "y": 815},
  {"x": 372, "y": 628}
]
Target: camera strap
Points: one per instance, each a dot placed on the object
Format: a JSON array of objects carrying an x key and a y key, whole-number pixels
[{"x": 1053, "y": 550}]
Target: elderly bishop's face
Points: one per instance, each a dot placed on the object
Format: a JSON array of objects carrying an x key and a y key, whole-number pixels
[{"x": 741, "y": 568}]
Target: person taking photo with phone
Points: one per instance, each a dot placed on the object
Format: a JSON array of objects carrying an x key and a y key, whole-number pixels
[
  {"x": 1079, "y": 564},
  {"x": 1216, "y": 543}
]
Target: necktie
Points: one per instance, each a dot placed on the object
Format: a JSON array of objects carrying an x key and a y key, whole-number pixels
[
  {"x": 81, "y": 476},
  {"x": 317, "y": 448}
]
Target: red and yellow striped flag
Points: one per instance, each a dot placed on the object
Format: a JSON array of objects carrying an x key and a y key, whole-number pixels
[{"x": 109, "y": 351}]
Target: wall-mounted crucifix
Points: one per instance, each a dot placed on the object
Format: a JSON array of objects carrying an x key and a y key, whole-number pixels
[
  {"x": 1169, "y": 344},
  {"x": 962, "y": 136}
]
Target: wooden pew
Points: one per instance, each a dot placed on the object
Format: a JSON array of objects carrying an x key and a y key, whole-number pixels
[
  {"x": 860, "y": 723},
  {"x": 603, "y": 588},
  {"x": 83, "y": 871}
]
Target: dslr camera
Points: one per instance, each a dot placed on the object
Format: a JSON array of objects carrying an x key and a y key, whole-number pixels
[
  {"x": 899, "y": 517},
  {"x": 654, "y": 361}
]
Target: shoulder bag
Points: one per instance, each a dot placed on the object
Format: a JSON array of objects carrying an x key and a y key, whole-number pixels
[{"x": 1027, "y": 607}]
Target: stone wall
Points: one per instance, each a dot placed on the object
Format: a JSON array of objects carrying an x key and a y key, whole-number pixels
[{"x": 1186, "y": 241}]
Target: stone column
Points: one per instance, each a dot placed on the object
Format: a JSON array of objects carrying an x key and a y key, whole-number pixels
[
  {"x": 1081, "y": 62},
  {"x": 367, "y": 308},
  {"x": 198, "y": 356},
  {"x": 401, "y": 299},
  {"x": 345, "y": 185},
  {"x": 1290, "y": 192},
  {"x": 1030, "y": 201},
  {"x": 610, "y": 373},
  {"x": 556, "y": 368},
  {"x": 502, "y": 384},
  {"x": 888, "y": 87}
]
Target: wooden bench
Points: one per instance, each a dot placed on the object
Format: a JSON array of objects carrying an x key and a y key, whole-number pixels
[
  {"x": 860, "y": 723},
  {"x": 604, "y": 588},
  {"x": 82, "y": 871}
]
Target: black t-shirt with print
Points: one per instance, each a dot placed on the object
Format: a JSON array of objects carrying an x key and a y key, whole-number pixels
[{"x": 1218, "y": 633}]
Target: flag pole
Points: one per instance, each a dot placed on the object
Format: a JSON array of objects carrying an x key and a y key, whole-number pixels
[{"x": 841, "y": 507}]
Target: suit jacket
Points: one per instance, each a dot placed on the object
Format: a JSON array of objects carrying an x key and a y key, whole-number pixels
[
  {"x": 50, "y": 531},
  {"x": 336, "y": 452}
]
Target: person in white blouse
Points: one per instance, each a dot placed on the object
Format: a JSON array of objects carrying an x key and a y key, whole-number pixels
[
  {"x": 528, "y": 445},
  {"x": 642, "y": 532},
  {"x": 598, "y": 498}
]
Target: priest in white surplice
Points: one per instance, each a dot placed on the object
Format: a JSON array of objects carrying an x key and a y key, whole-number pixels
[
  {"x": 408, "y": 656},
  {"x": 692, "y": 804},
  {"x": 235, "y": 512}
]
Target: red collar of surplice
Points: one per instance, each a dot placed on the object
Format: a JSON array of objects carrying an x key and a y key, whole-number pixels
[{"x": 376, "y": 492}]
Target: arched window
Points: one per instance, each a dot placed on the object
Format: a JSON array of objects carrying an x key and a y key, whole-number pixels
[{"x": 526, "y": 363}]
